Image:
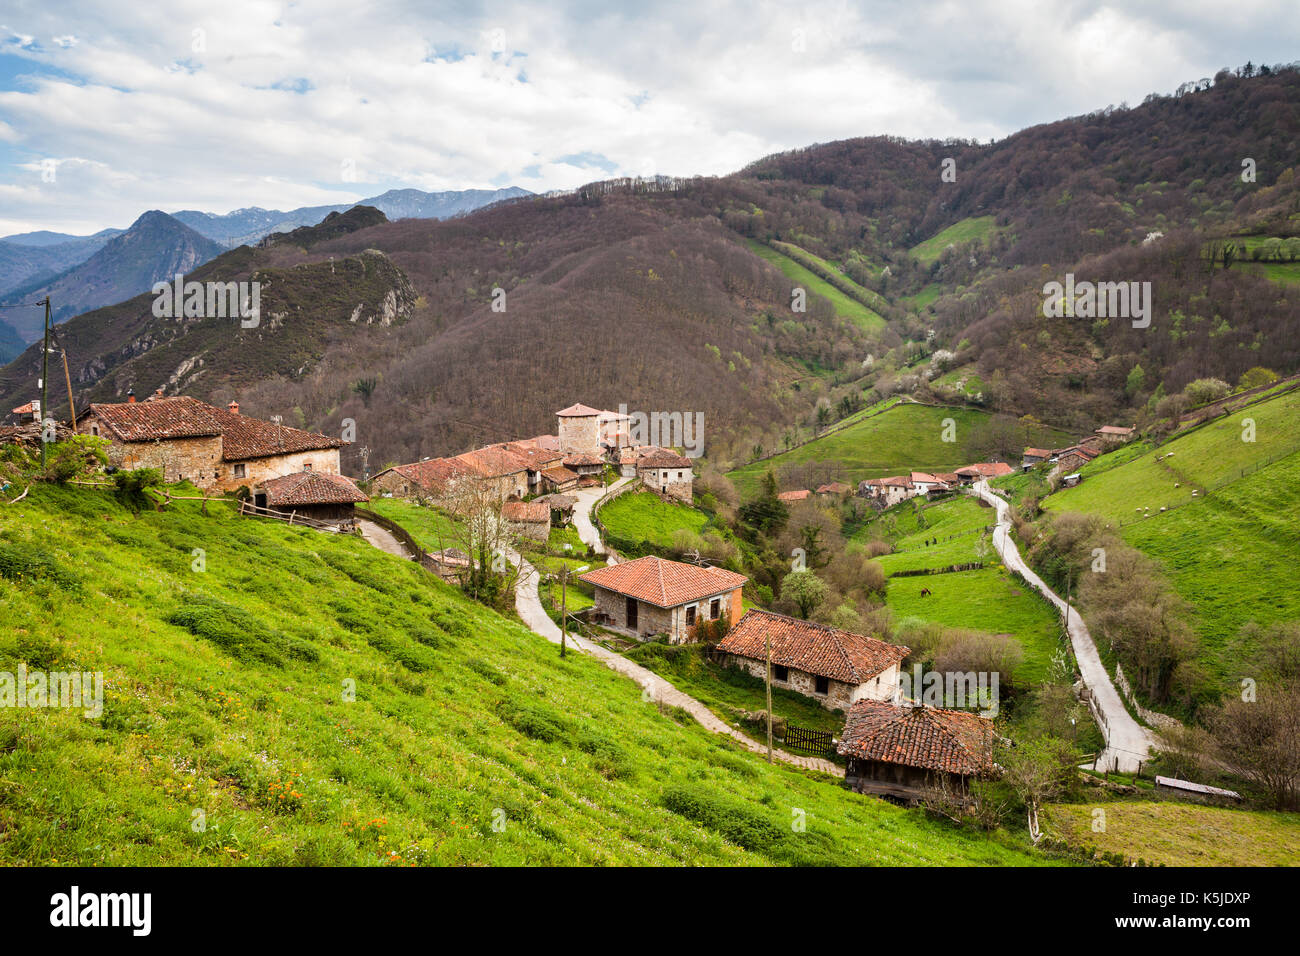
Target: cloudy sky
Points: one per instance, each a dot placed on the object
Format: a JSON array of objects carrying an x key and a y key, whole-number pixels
[{"x": 107, "y": 110}]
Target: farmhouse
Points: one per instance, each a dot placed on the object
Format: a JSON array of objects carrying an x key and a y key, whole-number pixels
[
  {"x": 984, "y": 469},
  {"x": 667, "y": 473},
  {"x": 836, "y": 489},
  {"x": 1114, "y": 434},
  {"x": 214, "y": 448},
  {"x": 789, "y": 496},
  {"x": 904, "y": 752},
  {"x": 584, "y": 466},
  {"x": 1033, "y": 456},
  {"x": 531, "y": 519},
  {"x": 925, "y": 483},
  {"x": 1069, "y": 460},
  {"x": 651, "y": 596},
  {"x": 309, "y": 494},
  {"x": 431, "y": 478},
  {"x": 831, "y": 666}
]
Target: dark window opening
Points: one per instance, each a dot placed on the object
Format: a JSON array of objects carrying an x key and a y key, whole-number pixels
[
  {"x": 690, "y": 616},
  {"x": 823, "y": 685},
  {"x": 715, "y": 608},
  {"x": 780, "y": 672}
]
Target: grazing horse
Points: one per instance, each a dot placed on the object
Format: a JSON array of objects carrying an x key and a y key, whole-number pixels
[{"x": 925, "y": 592}]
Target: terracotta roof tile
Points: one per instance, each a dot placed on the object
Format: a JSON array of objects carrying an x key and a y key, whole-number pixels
[
  {"x": 492, "y": 462},
  {"x": 311, "y": 488},
  {"x": 930, "y": 738},
  {"x": 799, "y": 495},
  {"x": 579, "y": 411},
  {"x": 526, "y": 511},
  {"x": 812, "y": 648},
  {"x": 663, "y": 459},
  {"x": 664, "y": 583}
]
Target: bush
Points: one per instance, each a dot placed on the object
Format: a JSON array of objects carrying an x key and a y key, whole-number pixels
[
  {"x": 733, "y": 822},
  {"x": 131, "y": 486},
  {"x": 21, "y": 561},
  {"x": 238, "y": 632}
]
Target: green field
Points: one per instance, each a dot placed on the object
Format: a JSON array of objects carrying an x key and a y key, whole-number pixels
[
  {"x": 989, "y": 599},
  {"x": 846, "y": 307},
  {"x": 1230, "y": 554},
  {"x": 644, "y": 516},
  {"x": 1178, "y": 834},
  {"x": 226, "y": 705},
  {"x": 904, "y": 439},
  {"x": 431, "y": 528},
  {"x": 975, "y": 229}
]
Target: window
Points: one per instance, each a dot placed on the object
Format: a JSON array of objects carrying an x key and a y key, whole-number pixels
[
  {"x": 822, "y": 685},
  {"x": 715, "y": 608},
  {"x": 306, "y": 466},
  {"x": 780, "y": 672},
  {"x": 690, "y": 616},
  {"x": 94, "y": 429},
  {"x": 241, "y": 471}
]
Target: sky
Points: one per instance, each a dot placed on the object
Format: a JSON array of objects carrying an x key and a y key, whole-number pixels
[{"x": 109, "y": 110}]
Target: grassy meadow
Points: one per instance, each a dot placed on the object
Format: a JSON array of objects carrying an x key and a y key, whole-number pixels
[
  {"x": 845, "y": 306},
  {"x": 228, "y": 736}
]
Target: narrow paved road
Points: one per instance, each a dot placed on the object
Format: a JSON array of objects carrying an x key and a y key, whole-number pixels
[
  {"x": 587, "y": 530},
  {"x": 654, "y": 687},
  {"x": 1127, "y": 742},
  {"x": 382, "y": 538}
]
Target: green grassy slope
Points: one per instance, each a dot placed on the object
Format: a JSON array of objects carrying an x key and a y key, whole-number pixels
[
  {"x": 905, "y": 438},
  {"x": 644, "y": 516},
  {"x": 1230, "y": 553},
  {"x": 989, "y": 599},
  {"x": 845, "y": 307},
  {"x": 225, "y": 694},
  {"x": 968, "y": 230}
]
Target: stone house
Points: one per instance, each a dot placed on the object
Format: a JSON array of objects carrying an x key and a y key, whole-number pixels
[
  {"x": 834, "y": 489},
  {"x": 502, "y": 471},
  {"x": 431, "y": 478},
  {"x": 615, "y": 430},
  {"x": 985, "y": 469},
  {"x": 214, "y": 448},
  {"x": 904, "y": 752},
  {"x": 834, "y": 667},
  {"x": 924, "y": 483},
  {"x": 652, "y": 596},
  {"x": 309, "y": 494},
  {"x": 558, "y": 479},
  {"x": 1114, "y": 434},
  {"x": 1070, "y": 460},
  {"x": 668, "y": 474},
  {"x": 531, "y": 519},
  {"x": 789, "y": 497},
  {"x": 1034, "y": 456},
  {"x": 585, "y": 466}
]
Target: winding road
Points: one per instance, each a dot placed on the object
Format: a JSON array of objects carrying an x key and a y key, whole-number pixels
[{"x": 1128, "y": 743}]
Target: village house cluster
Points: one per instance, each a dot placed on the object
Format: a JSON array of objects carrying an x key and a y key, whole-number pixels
[
  {"x": 285, "y": 470},
  {"x": 544, "y": 469}
]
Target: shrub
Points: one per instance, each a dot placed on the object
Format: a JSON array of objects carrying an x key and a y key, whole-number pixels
[
  {"x": 238, "y": 632},
  {"x": 732, "y": 821},
  {"x": 22, "y": 561}
]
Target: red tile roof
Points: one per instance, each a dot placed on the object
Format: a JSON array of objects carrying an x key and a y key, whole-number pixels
[
  {"x": 1114, "y": 430},
  {"x": 578, "y": 411},
  {"x": 812, "y": 648},
  {"x": 799, "y": 495},
  {"x": 1038, "y": 453},
  {"x": 560, "y": 475},
  {"x": 930, "y": 738},
  {"x": 526, "y": 511},
  {"x": 311, "y": 488},
  {"x": 25, "y": 409},
  {"x": 530, "y": 455},
  {"x": 663, "y": 459},
  {"x": 492, "y": 462},
  {"x": 987, "y": 469},
  {"x": 578, "y": 460},
  {"x": 433, "y": 475},
  {"x": 834, "y": 488},
  {"x": 242, "y": 437},
  {"x": 664, "y": 583},
  {"x": 898, "y": 481}
]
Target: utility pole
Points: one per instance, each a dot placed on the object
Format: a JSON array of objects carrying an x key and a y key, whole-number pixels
[
  {"x": 45, "y": 378},
  {"x": 564, "y": 605},
  {"x": 767, "y": 640}
]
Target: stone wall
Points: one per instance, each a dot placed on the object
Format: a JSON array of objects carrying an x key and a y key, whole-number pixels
[
  {"x": 839, "y": 695},
  {"x": 580, "y": 435},
  {"x": 651, "y": 620},
  {"x": 676, "y": 483}
]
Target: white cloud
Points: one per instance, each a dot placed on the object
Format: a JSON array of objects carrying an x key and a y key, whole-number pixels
[{"x": 252, "y": 103}]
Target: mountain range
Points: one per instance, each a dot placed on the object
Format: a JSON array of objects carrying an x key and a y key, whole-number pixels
[
  {"x": 34, "y": 264},
  {"x": 920, "y": 266}
]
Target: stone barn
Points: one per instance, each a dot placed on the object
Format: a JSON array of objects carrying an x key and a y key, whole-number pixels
[
  {"x": 531, "y": 519},
  {"x": 580, "y": 430},
  {"x": 652, "y": 596},
  {"x": 834, "y": 667},
  {"x": 905, "y": 752}
]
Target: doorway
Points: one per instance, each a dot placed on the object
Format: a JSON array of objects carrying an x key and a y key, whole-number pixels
[{"x": 631, "y": 614}]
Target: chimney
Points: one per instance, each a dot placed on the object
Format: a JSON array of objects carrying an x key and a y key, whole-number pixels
[
  {"x": 36, "y": 410},
  {"x": 158, "y": 393},
  {"x": 130, "y": 396},
  {"x": 233, "y": 408}
]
